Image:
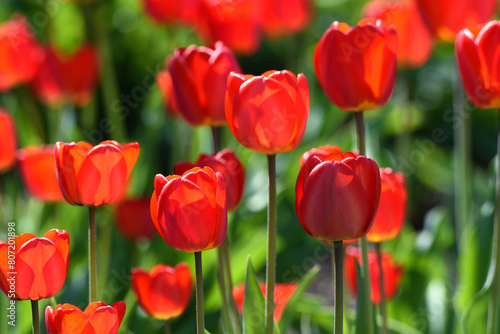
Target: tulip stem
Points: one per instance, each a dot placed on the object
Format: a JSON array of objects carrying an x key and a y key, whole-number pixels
[
  {"x": 200, "y": 317},
  {"x": 216, "y": 139},
  {"x": 92, "y": 256},
  {"x": 167, "y": 327},
  {"x": 223, "y": 289},
  {"x": 36, "y": 316},
  {"x": 360, "y": 130},
  {"x": 271, "y": 245},
  {"x": 338, "y": 283},
  {"x": 227, "y": 269},
  {"x": 383, "y": 312}
]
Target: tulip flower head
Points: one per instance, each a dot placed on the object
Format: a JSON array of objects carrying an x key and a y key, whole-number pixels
[
  {"x": 133, "y": 219},
  {"x": 172, "y": 11},
  {"x": 268, "y": 113},
  {"x": 165, "y": 292},
  {"x": 98, "y": 318},
  {"x": 356, "y": 67},
  {"x": 323, "y": 152},
  {"x": 282, "y": 17},
  {"x": 40, "y": 265},
  {"x": 164, "y": 81},
  {"x": 190, "y": 210},
  {"x": 94, "y": 175},
  {"x": 8, "y": 138}
]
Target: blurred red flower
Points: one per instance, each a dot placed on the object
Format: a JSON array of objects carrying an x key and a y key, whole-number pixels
[
  {"x": 37, "y": 167},
  {"x": 165, "y": 292},
  {"x": 356, "y": 67},
  {"x": 98, "y": 318},
  {"x": 8, "y": 138},
  {"x": 172, "y": 11},
  {"x": 94, "y": 175},
  {"x": 323, "y": 152},
  {"x": 40, "y": 265},
  {"x": 284, "y": 17},
  {"x": 268, "y": 113},
  {"x": 164, "y": 81},
  {"x": 133, "y": 219}
]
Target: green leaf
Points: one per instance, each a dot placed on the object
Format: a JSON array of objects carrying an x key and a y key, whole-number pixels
[
  {"x": 253, "y": 304},
  {"x": 207, "y": 332}
]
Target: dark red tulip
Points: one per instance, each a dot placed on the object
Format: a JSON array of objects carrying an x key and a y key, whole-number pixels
[
  {"x": 392, "y": 208},
  {"x": 199, "y": 77},
  {"x": 164, "y": 81},
  {"x": 476, "y": 51},
  {"x": 284, "y": 17},
  {"x": 227, "y": 163},
  {"x": 337, "y": 198},
  {"x": 20, "y": 53},
  {"x": 8, "y": 138},
  {"x": 133, "y": 219},
  {"x": 393, "y": 273},
  {"x": 446, "y": 18},
  {"x": 415, "y": 40},
  {"x": 37, "y": 167},
  {"x": 190, "y": 211},
  {"x": 98, "y": 318},
  {"x": 40, "y": 265},
  {"x": 268, "y": 113},
  {"x": 356, "y": 67},
  {"x": 68, "y": 77},
  {"x": 172, "y": 11},
  {"x": 325, "y": 151},
  {"x": 94, "y": 175},
  {"x": 165, "y": 292}
]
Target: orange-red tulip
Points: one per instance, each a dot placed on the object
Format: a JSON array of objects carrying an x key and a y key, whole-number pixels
[
  {"x": 227, "y": 163},
  {"x": 268, "y": 113},
  {"x": 94, "y": 175},
  {"x": 8, "y": 138},
  {"x": 199, "y": 76},
  {"x": 447, "y": 17},
  {"x": 415, "y": 41},
  {"x": 165, "y": 292},
  {"x": 356, "y": 67},
  {"x": 392, "y": 208},
  {"x": 172, "y": 11},
  {"x": 336, "y": 198},
  {"x": 98, "y": 318},
  {"x": 476, "y": 52},
  {"x": 37, "y": 167},
  {"x": 133, "y": 219},
  {"x": 190, "y": 211},
  {"x": 164, "y": 81},
  {"x": 393, "y": 273},
  {"x": 283, "y": 17},
  {"x": 323, "y": 152},
  {"x": 34, "y": 268},
  {"x": 68, "y": 77},
  {"x": 20, "y": 53}
]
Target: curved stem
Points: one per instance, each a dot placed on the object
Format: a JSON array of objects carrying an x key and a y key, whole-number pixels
[
  {"x": 383, "y": 313},
  {"x": 338, "y": 283},
  {"x": 36, "y": 316},
  {"x": 92, "y": 256},
  {"x": 271, "y": 245},
  {"x": 200, "y": 319}
]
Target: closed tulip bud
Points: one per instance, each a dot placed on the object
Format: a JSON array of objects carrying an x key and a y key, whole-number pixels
[
  {"x": 133, "y": 219},
  {"x": 8, "y": 137}
]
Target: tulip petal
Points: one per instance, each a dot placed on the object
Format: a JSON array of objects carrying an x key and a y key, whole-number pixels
[
  {"x": 69, "y": 319},
  {"x": 105, "y": 320},
  {"x": 130, "y": 153}
]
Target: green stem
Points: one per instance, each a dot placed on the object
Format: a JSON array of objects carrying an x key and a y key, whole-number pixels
[
  {"x": 383, "y": 312},
  {"x": 36, "y": 316},
  {"x": 229, "y": 280},
  {"x": 216, "y": 139},
  {"x": 200, "y": 318},
  {"x": 223, "y": 290},
  {"x": 167, "y": 327},
  {"x": 92, "y": 256},
  {"x": 360, "y": 131},
  {"x": 338, "y": 283},
  {"x": 271, "y": 245}
]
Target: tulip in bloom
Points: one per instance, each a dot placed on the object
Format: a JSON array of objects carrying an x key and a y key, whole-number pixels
[
  {"x": 190, "y": 210},
  {"x": 8, "y": 138},
  {"x": 98, "y": 318},
  {"x": 227, "y": 163},
  {"x": 133, "y": 219},
  {"x": 392, "y": 208},
  {"x": 268, "y": 113},
  {"x": 164, "y": 81},
  {"x": 356, "y": 67},
  {"x": 40, "y": 265},
  {"x": 37, "y": 167},
  {"x": 94, "y": 175},
  {"x": 172, "y": 11},
  {"x": 336, "y": 198},
  {"x": 283, "y": 17},
  {"x": 393, "y": 273},
  {"x": 165, "y": 292}
]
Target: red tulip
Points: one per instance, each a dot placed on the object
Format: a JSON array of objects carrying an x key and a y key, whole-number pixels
[
  {"x": 72, "y": 77},
  {"x": 39, "y": 267},
  {"x": 38, "y": 170},
  {"x": 165, "y": 292},
  {"x": 392, "y": 208},
  {"x": 476, "y": 52},
  {"x": 282, "y": 17},
  {"x": 172, "y": 11},
  {"x": 190, "y": 211},
  {"x": 199, "y": 76},
  {"x": 8, "y": 138},
  {"x": 393, "y": 273},
  {"x": 164, "y": 81},
  {"x": 337, "y": 197},
  {"x": 356, "y": 67},
  {"x": 268, "y": 113},
  {"x": 237, "y": 23},
  {"x": 98, "y": 318},
  {"x": 447, "y": 17},
  {"x": 94, "y": 175},
  {"x": 133, "y": 219},
  {"x": 415, "y": 41},
  {"x": 20, "y": 53},
  {"x": 323, "y": 152},
  {"x": 227, "y": 163}
]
